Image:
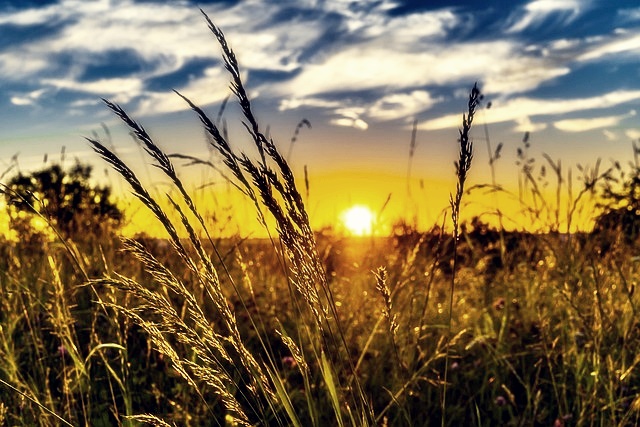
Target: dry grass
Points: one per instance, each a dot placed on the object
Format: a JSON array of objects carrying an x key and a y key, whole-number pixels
[{"x": 196, "y": 330}]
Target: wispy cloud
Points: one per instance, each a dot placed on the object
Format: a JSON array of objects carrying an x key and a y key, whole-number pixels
[
  {"x": 100, "y": 86},
  {"x": 399, "y": 105},
  {"x": 30, "y": 98},
  {"x": 350, "y": 118},
  {"x": 583, "y": 125},
  {"x": 387, "y": 65},
  {"x": 536, "y": 13},
  {"x": 164, "y": 36},
  {"x": 610, "y": 135},
  {"x": 521, "y": 108},
  {"x": 167, "y": 102},
  {"x": 633, "y": 134},
  {"x": 622, "y": 42},
  {"x": 629, "y": 15}
]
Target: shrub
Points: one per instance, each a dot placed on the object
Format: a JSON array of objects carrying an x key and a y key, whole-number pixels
[{"x": 66, "y": 199}]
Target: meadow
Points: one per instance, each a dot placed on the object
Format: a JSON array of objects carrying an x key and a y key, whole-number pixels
[{"x": 466, "y": 324}]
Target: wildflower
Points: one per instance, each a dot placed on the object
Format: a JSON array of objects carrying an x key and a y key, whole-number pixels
[
  {"x": 499, "y": 304},
  {"x": 500, "y": 401},
  {"x": 289, "y": 362},
  {"x": 62, "y": 350}
]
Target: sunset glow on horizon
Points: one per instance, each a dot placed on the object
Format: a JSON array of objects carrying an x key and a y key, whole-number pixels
[
  {"x": 564, "y": 74},
  {"x": 358, "y": 220}
]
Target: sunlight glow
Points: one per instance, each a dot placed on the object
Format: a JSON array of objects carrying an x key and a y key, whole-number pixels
[{"x": 358, "y": 220}]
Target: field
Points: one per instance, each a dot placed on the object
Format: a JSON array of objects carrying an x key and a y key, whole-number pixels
[{"x": 463, "y": 325}]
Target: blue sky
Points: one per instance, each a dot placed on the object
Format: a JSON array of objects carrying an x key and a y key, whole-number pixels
[{"x": 568, "y": 71}]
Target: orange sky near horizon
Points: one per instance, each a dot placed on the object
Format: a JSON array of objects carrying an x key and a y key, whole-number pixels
[
  {"x": 362, "y": 73},
  {"x": 230, "y": 213}
]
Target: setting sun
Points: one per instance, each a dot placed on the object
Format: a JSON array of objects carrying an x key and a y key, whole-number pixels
[{"x": 358, "y": 220}]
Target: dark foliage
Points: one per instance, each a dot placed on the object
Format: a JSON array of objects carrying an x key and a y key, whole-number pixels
[
  {"x": 74, "y": 206},
  {"x": 621, "y": 206}
]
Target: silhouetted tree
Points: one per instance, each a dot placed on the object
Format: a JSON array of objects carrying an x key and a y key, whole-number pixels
[
  {"x": 621, "y": 203},
  {"x": 67, "y": 199}
]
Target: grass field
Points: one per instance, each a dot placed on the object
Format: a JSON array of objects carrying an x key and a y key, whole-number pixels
[{"x": 475, "y": 326}]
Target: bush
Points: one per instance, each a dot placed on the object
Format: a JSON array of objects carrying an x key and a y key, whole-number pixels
[{"x": 66, "y": 199}]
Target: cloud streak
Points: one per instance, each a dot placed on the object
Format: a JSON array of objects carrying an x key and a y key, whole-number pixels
[
  {"x": 383, "y": 66},
  {"x": 518, "y": 108},
  {"x": 584, "y": 125}
]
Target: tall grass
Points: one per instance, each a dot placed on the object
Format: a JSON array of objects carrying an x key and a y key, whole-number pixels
[
  {"x": 222, "y": 356},
  {"x": 296, "y": 330},
  {"x": 463, "y": 165}
]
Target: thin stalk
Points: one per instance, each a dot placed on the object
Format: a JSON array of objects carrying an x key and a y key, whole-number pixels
[
  {"x": 29, "y": 398},
  {"x": 462, "y": 168}
]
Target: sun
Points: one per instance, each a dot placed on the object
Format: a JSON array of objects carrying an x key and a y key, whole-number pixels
[{"x": 358, "y": 220}]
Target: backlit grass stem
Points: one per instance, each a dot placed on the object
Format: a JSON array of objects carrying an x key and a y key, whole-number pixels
[{"x": 463, "y": 164}]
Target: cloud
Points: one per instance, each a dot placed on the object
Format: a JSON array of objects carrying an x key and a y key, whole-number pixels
[
  {"x": 629, "y": 15},
  {"x": 623, "y": 42},
  {"x": 31, "y": 16},
  {"x": 583, "y": 125},
  {"x": 131, "y": 86},
  {"x": 535, "y": 13},
  {"x": 388, "y": 62},
  {"x": 397, "y": 105},
  {"x": 501, "y": 64},
  {"x": 214, "y": 80},
  {"x": 401, "y": 105},
  {"x": 525, "y": 124},
  {"x": 81, "y": 103},
  {"x": 368, "y": 20},
  {"x": 19, "y": 64},
  {"x": 519, "y": 108},
  {"x": 350, "y": 118},
  {"x": 294, "y": 103},
  {"x": 28, "y": 98},
  {"x": 633, "y": 134},
  {"x": 164, "y": 36}
]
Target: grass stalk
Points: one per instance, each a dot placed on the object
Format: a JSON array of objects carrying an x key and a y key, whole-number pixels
[{"x": 463, "y": 164}]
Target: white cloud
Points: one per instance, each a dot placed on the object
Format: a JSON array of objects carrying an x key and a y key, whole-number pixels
[
  {"x": 610, "y": 135},
  {"x": 626, "y": 42},
  {"x": 517, "y": 108},
  {"x": 167, "y": 34},
  {"x": 535, "y": 12},
  {"x": 202, "y": 91},
  {"x": 19, "y": 100},
  {"x": 30, "y": 98},
  {"x": 388, "y": 107},
  {"x": 15, "y": 65},
  {"x": 500, "y": 64},
  {"x": 350, "y": 122},
  {"x": 350, "y": 117},
  {"x": 82, "y": 103},
  {"x": 525, "y": 124},
  {"x": 31, "y": 16},
  {"x": 522, "y": 75},
  {"x": 583, "y": 125},
  {"x": 101, "y": 87},
  {"x": 395, "y": 57},
  {"x": 633, "y": 134},
  {"x": 629, "y": 15},
  {"x": 371, "y": 20},
  {"x": 293, "y": 103},
  {"x": 400, "y": 105}
]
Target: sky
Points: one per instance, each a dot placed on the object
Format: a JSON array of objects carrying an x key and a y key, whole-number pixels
[{"x": 567, "y": 72}]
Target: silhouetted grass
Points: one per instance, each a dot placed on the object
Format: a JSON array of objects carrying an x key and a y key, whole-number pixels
[{"x": 478, "y": 327}]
